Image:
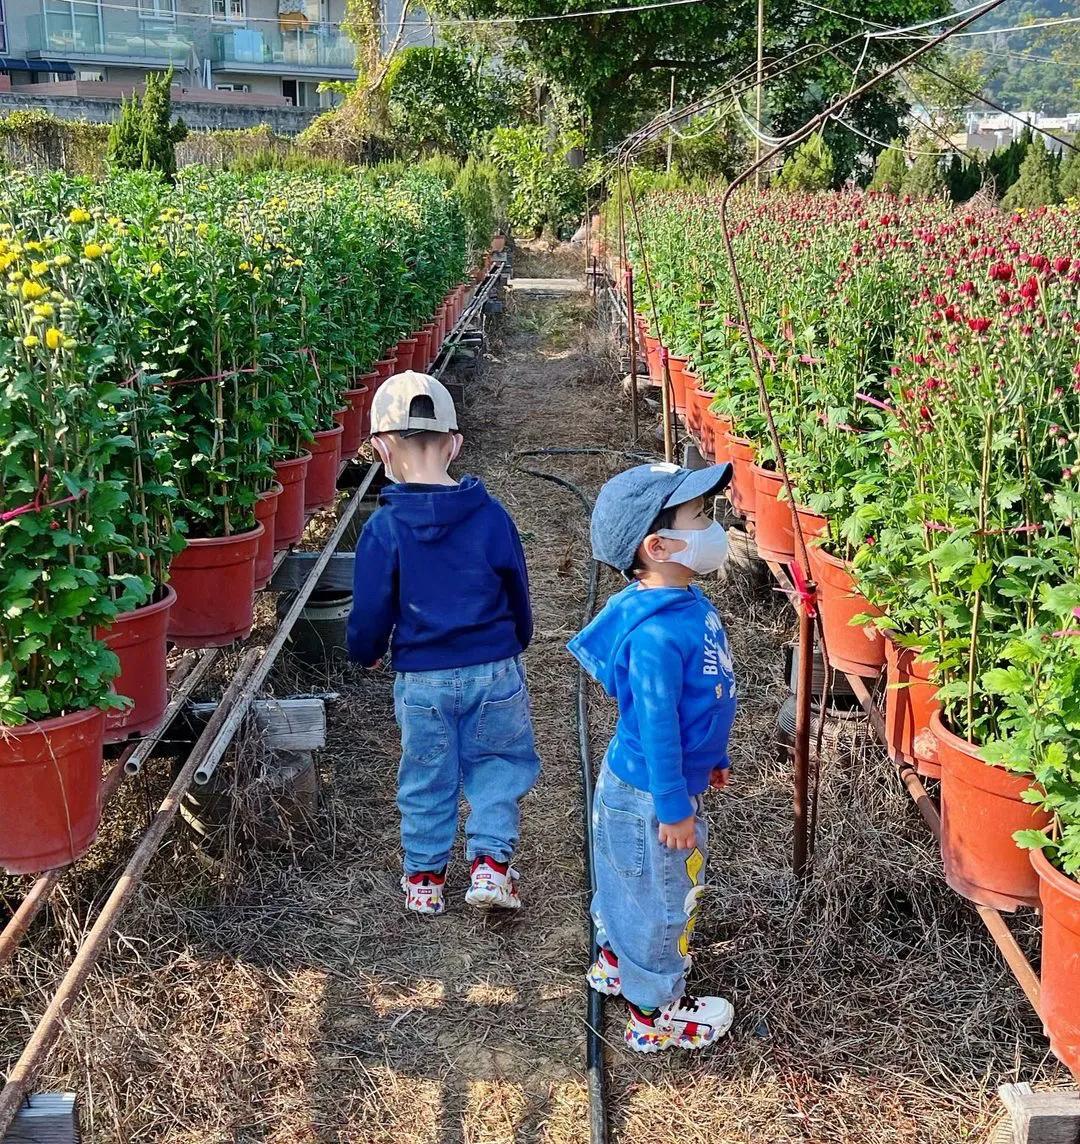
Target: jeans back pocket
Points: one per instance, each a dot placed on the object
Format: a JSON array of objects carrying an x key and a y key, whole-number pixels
[
  {"x": 621, "y": 839},
  {"x": 423, "y": 733},
  {"x": 503, "y": 721}
]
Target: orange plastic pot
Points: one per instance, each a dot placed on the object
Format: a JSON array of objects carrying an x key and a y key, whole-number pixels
[
  {"x": 138, "y": 639},
  {"x": 652, "y": 356},
  {"x": 433, "y": 344},
  {"x": 353, "y": 421},
  {"x": 214, "y": 578},
  {"x": 266, "y": 509},
  {"x": 422, "y": 354},
  {"x": 910, "y": 702},
  {"x": 1060, "y": 1002},
  {"x": 50, "y": 791},
  {"x": 774, "y": 533},
  {"x": 696, "y": 404},
  {"x": 385, "y": 368},
  {"x": 981, "y": 808},
  {"x": 320, "y": 490},
  {"x": 714, "y": 428},
  {"x": 858, "y": 650},
  {"x": 811, "y": 523},
  {"x": 741, "y": 492},
  {"x": 405, "y": 354},
  {"x": 290, "y": 519},
  {"x": 676, "y": 369}
]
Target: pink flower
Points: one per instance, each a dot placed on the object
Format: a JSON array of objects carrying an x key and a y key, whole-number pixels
[
  {"x": 979, "y": 325},
  {"x": 1001, "y": 272}
]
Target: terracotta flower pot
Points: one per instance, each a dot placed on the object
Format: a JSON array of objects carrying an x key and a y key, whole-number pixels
[
  {"x": 812, "y": 523},
  {"x": 498, "y": 243},
  {"x": 676, "y": 369},
  {"x": 357, "y": 422},
  {"x": 266, "y": 509},
  {"x": 432, "y": 346},
  {"x": 50, "y": 791},
  {"x": 290, "y": 519},
  {"x": 138, "y": 639},
  {"x": 320, "y": 490},
  {"x": 385, "y": 368},
  {"x": 774, "y": 533},
  {"x": 741, "y": 491},
  {"x": 714, "y": 427},
  {"x": 422, "y": 354},
  {"x": 856, "y": 650},
  {"x": 652, "y": 356},
  {"x": 214, "y": 578},
  {"x": 1060, "y": 897},
  {"x": 910, "y": 702},
  {"x": 981, "y": 809},
  {"x": 405, "y": 354},
  {"x": 697, "y": 401}
]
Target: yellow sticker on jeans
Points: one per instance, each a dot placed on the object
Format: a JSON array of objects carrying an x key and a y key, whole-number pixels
[{"x": 695, "y": 864}]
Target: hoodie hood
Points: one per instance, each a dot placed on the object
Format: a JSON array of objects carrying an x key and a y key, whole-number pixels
[
  {"x": 430, "y": 510},
  {"x": 598, "y": 646}
]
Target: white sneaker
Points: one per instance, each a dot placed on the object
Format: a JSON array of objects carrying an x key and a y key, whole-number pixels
[
  {"x": 689, "y": 1023},
  {"x": 493, "y": 885},
  {"x": 604, "y": 977},
  {"x": 424, "y": 892}
]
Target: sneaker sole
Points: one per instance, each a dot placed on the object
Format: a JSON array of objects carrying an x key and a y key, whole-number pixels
[{"x": 489, "y": 900}]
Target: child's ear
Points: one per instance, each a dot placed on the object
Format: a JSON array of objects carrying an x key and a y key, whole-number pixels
[
  {"x": 655, "y": 547},
  {"x": 455, "y": 448}
]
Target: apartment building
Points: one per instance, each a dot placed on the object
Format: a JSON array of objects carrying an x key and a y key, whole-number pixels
[{"x": 263, "y": 51}]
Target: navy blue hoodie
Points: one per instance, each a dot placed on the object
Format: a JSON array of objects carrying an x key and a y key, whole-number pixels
[
  {"x": 663, "y": 654},
  {"x": 442, "y": 568}
]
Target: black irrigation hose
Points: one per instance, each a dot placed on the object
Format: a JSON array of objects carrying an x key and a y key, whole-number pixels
[{"x": 594, "y": 1046}]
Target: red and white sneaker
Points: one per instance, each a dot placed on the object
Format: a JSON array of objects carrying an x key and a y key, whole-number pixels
[
  {"x": 424, "y": 891},
  {"x": 603, "y": 975},
  {"x": 689, "y": 1023},
  {"x": 493, "y": 885}
]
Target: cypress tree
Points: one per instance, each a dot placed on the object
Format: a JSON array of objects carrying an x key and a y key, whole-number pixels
[
  {"x": 811, "y": 168},
  {"x": 925, "y": 179},
  {"x": 1035, "y": 186},
  {"x": 125, "y": 143},
  {"x": 1069, "y": 185},
  {"x": 890, "y": 169}
]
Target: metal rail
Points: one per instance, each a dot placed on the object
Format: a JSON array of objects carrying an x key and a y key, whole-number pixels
[{"x": 475, "y": 306}]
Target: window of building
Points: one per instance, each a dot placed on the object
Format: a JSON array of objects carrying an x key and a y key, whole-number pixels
[
  {"x": 3, "y": 29},
  {"x": 73, "y": 26},
  {"x": 158, "y": 10},
  {"x": 230, "y": 10}
]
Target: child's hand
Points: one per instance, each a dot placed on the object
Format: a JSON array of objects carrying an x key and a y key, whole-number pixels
[
  {"x": 679, "y": 835},
  {"x": 719, "y": 777}
]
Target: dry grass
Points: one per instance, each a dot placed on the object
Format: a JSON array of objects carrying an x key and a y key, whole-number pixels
[{"x": 281, "y": 996}]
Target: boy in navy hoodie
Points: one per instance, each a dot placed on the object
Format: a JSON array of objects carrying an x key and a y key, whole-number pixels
[
  {"x": 658, "y": 647},
  {"x": 440, "y": 578}
]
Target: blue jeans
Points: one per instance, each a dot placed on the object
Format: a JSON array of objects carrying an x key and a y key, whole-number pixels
[
  {"x": 463, "y": 729},
  {"x": 646, "y": 899}
]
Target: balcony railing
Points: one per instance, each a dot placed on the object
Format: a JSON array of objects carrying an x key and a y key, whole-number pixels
[{"x": 81, "y": 31}]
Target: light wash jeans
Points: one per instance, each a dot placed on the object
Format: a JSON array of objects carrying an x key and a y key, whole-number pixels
[
  {"x": 646, "y": 899},
  {"x": 463, "y": 729}
]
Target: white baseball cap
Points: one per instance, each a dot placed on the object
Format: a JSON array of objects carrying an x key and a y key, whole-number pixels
[{"x": 412, "y": 402}]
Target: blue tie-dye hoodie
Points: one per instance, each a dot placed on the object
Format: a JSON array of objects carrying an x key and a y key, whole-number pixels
[{"x": 663, "y": 654}]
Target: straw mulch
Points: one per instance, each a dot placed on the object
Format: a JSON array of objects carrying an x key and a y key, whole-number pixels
[{"x": 279, "y": 994}]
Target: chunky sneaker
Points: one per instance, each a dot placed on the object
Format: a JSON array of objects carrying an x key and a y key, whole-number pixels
[
  {"x": 689, "y": 1023},
  {"x": 493, "y": 885},
  {"x": 603, "y": 975},
  {"x": 424, "y": 891}
]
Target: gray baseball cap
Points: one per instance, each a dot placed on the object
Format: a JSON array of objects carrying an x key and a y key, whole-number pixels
[
  {"x": 629, "y": 503},
  {"x": 394, "y": 406}
]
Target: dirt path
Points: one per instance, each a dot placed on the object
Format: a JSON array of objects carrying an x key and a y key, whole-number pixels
[{"x": 285, "y": 998}]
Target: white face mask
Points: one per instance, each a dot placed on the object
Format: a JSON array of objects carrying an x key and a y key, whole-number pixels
[{"x": 706, "y": 548}]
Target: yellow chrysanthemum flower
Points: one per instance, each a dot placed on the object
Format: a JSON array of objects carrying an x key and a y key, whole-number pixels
[
  {"x": 79, "y": 215},
  {"x": 39, "y": 268},
  {"x": 91, "y": 250},
  {"x": 63, "y": 260},
  {"x": 155, "y": 269},
  {"x": 44, "y": 309},
  {"x": 31, "y": 340},
  {"x": 31, "y": 291},
  {"x": 54, "y": 338}
]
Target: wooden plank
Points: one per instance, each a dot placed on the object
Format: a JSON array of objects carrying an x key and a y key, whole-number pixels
[
  {"x": 297, "y": 566},
  {"x": 284, "y": 724},
  {"x": 1042, "y": 1117}
]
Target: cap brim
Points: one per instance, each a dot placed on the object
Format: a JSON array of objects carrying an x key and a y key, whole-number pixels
[{"x": 700, "y": 483}]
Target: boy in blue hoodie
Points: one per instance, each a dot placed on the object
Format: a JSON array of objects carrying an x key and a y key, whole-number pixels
[
  {"x": 659, "y": 648},
  {"x": 440, "y": 578}
]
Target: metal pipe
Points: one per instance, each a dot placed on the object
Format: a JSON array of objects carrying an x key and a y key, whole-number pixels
[
  {"x": 801, "y": 848},
  {"x": 239, "y": 709},
  {"x": 48, "y": 1028},
  {"x": 631, "y": 323}
]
